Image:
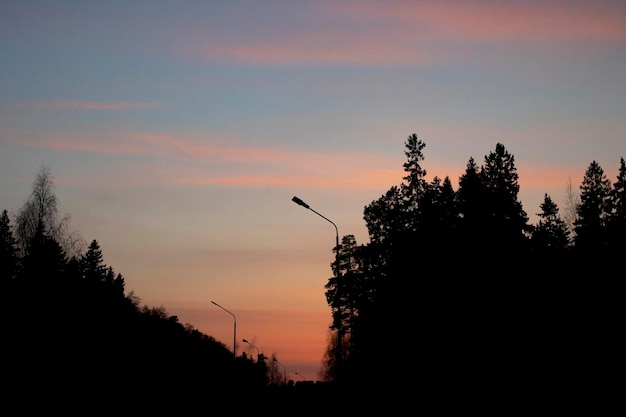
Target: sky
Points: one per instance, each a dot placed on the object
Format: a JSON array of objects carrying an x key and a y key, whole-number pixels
[{"x": 177, "y": 133}]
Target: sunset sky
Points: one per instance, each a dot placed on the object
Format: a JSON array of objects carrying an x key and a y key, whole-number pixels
[{"x": 177, "y": 132}]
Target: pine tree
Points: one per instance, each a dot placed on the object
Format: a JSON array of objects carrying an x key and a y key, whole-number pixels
[
  {"x": 342, "y": 291},
  {"x": 44, "y": 262},
  {"x": 617, "y": 218},
  {"x": 593, "y": 211},
  {"x": 439, "y": 216},
  {"x": 93, "y": 268},
  {"x": 8, "y": 250},
  {"x": 414, "y": 185},
  {"x": 118, "y": 285},
  {"x": 551, "y": 234},
  {"x": 507, "y": 222},
  {"x": 383, "y": 217},
  {"x": 472, "y": 199},
  {"x": 618, "y": 194}
]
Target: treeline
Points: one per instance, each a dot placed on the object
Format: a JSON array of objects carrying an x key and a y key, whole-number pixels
[
  {"x": 458, "y": 292},
  {"x": 73, "y": 341}
]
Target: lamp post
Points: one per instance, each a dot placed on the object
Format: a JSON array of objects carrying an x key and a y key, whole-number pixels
[
  {"x": 301, "y": 376},
  {"x": 234, "y": 328},
  {"x": 306, "y": 206},
  {"x": 284, "y": 370},
  {"x": 339, "y": 329},
  {"x": 258, "y": 355}
]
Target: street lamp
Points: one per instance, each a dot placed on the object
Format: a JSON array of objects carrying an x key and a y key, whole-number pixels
[
  {"x": 301, "y": 376},
  {"x": 284, "y": 370},
  {"x": 339, "y": 329},
  {"x": 234, "y": 328},
  {"x": 258, "y": 355},
  {"x": 306, "y": 206}
]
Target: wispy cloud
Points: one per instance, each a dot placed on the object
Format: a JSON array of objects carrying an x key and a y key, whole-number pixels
[
  {"x": 492, "y": 21},
  {"x": 411, "y": 32},
  {"x": 206, "y": 149},
  {"x": 193, "y": 161}
]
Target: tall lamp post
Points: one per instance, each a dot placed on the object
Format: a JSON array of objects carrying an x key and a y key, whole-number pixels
[
  {"x": 339, "y": 330},
  {"x": 234, "y": 328}
]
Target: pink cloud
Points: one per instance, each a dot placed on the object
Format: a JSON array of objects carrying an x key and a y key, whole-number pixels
[
  {"x": 220, "y": 161},
  {"x": 320, "y": 49},
  {"x": 413, "y": 32},
  {"x": 251, "y": 166},
  {"x": 492, "y": 20}
]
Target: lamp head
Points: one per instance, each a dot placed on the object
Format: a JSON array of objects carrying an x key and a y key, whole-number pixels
[{"x": 300, "y": 202}]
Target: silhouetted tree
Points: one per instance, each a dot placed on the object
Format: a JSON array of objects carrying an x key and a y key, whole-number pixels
[
  {"x": 347, "y": 296},
  {"x": 411, "y": 232},
  {"x": 593, "y": 211},
  {"x": 473, "y": 211},
  {"x": 44, "y": 260},
  {"x": 551, "y": 235},
  {"x": 506, "y": 222},
  {"x": 328, "y": 371},
  {"x": 41, "y": 211},
  {"x": 8, "y": 250},
  {"x": 93, "y": 267},
  {"x": 439, "y": 218},
  {"x": 414, "y": 185},
  {"x": 98, "y": 275},
  {"x": 617, "y": 218},
  {"x": 383, "y": 217},
  {"x": 342, "y": 290}
]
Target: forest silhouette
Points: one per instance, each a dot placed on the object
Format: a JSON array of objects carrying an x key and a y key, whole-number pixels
[{"x": 456, "y": 299}]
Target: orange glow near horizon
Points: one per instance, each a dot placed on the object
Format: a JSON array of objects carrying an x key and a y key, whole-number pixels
[{"x": 297, "y": 338}]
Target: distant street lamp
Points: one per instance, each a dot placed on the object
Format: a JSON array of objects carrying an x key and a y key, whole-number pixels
[
  {"x": 258, "y": 355},
  {"x": 339, "y": 329},
  {"x": 300, "y": 375},
  {"x": 284, "y": 370},
  {"x": 234, "y": 329}
]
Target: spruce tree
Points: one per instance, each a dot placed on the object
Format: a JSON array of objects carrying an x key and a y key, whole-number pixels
[
  {"x": 8, "y": 250},
  {"x": 617, "y": 218},
  {"x": 414, "y": 185},
  {"x": 93, "y": 268},
  {"x": 594, "y": 211},
  {"x": 44, "y": 262},
  {"x": 472, "y": 206},
  {"x": 507, "y": 220},
  {"x": 384, "y": 217},
  {"x": 551, "y": 235}
]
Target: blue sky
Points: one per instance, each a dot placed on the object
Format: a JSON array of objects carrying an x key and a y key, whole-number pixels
[{"x": 178, "y": 132}]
